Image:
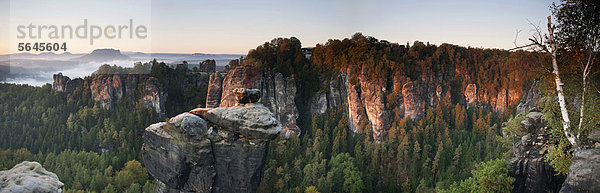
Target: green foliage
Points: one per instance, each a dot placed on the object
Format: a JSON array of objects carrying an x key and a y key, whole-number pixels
[
  {"x": 43, "y": 120},
  {"x": 512, "y": 131},
  {"x": 560, "y": 153},
  {"x": 138, "y": 68},
  {"x": 489, "y": 176},
  {"x": 281, "y": 55},
  {"x": 559, "y": 156},
  {"x": 344, "y": 175},
  {"x": 423, "y": 156}
]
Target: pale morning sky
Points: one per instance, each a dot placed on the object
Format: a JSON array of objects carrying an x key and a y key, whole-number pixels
[{"x": 237, "y": 26}]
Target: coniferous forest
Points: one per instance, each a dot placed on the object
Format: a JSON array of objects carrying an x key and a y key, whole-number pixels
[{"x": 455, "y": 146}]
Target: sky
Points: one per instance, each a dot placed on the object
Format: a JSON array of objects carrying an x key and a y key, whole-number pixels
[{"x": 234, "y": 27}]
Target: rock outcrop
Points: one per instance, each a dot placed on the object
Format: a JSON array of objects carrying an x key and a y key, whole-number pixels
[
  {"x": 207, "y": 66},
  {"x": 373, "y": 97},
  {"x": 527, "y": 165},
  {"x": 471, "y": 93},
  {"x": 278, "y": 93},
  {"x": 356, "y": 110},
  {"x": 333, "y": 93},
  {"x": 318, "y": 103},
  {"x": 65, "y": 84},
  {"x": 240, "y": 77},
  {"x": 413, "y": 103},
  {"x": 29, "y": 177},
  {"x": 584, "y": 172},
  {"x": 154, "y": 97},
  {"x": 213, "y": 94},
  {"x": 529, "y": 98},
  {"x": 211, "y": 150},
  {"x": 110, "y": 90}
]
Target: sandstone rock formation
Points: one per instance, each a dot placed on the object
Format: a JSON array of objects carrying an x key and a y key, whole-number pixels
[
  {"x": 413, "y": 103},
  {"x": 373, "y": 97},
  {"x": 471, "y": 93},
  {"x": 65, "y": 84},
  {"x": 527, "y": 165},
  {"x": 529, "y": 97},
  {"x": 240, "y": 77},
  {"x": 584, "y": 172},
  {"x": 356, "y": 110},
  {"x": 29, "y": 177},
  {"x": 318, "y": 103},
  {"x": 213, "y": 95},
  {"x": 213, "y": 150},
  {"x": 207, "y": 66},
  {"x": 111, "y": 89},
  {"x": 154, "y": 97},
  {"x": 278, "y": 93},
  {"x": 334, "y": 93},
  {"x": 501, "y": 100},
  {"x": 594, "y": 137}
]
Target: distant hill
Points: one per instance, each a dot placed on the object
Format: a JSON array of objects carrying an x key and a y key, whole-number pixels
[{"x": 103, "y": 55}]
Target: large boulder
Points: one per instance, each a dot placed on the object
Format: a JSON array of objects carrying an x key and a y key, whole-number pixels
[
  {"x": 527, "y": 165},
  {"x": 211, "y": 150},
  {"x": 584, "y": 172},
  {"x": 29, "y": 177}
]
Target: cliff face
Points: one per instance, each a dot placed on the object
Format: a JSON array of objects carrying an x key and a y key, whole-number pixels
[
  {"x": 527, "y": 165},
  {"x": 65, "y": 84},
  {"x": 110, "y": 90},
  {"x": 471, "y": 93},
  {"x": 373, "y": 97},
  {"x": 213, "y": 95},
  {"x": 278, "y": 93},
  {"x": 240, "y": 77},
  {"x": 412, "y": 102},
  {"x": 364, "y": 99},
  {"x": 213, "y": 150}
]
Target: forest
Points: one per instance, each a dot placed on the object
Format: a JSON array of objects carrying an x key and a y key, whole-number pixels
[{"x": 454, "y": 147}]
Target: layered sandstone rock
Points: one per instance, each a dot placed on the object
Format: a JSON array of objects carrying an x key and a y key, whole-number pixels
[
  {"x": 110, "y": 90},
  {"x": 240, "y": 77},
  {"x": 584, "y": 172},
  {"x": 527, "y": 165},
  {"x": 413, "y": 103},
  {"x": 373, "y": 97},
  {"x": 29, "y": 177},
  {"x": 278, "y": 93},
  {"x": 318, "y": 103},
  {"x": 333, "y": 93},
  {"x": 213, "y": 95},
  {"x": 214, "y": 150}
]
